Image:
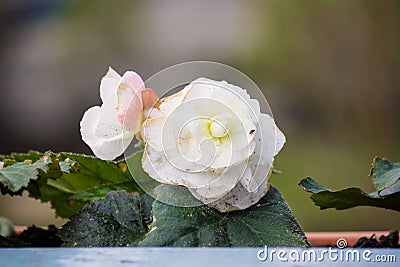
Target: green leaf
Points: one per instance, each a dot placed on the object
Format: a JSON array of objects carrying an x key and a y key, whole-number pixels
[
  {"x": 385, "y": 173},
  {"x": 348, "y": 198},
  {"x": 67, "y": 180},
  {"x": 6, "y": 227},
  {"x": 96, "y": 177},
  {"x": 269, "y": 222},
  {"x": 92, "y": 179},
  {"x": 60, "y": 201},
  {"x": 386, "y": 179},
  {"x": 15, "y": 177},
  {"x": 123, "y": 219},
  {"x": 20, "y": 157},
  {"x": 35, "y": 177},
  {"x": 117, "y": 220}
]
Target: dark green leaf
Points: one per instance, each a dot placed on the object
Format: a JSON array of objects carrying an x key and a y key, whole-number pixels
[
  {"x": 269, "y": 222},
  {"x": 117, "y": 220},
  {"x": 348, "y": 198},
  {"x": 122, "y": 219},
  {"x": 10, "y": 242},
  {"x": 385, "y": 173}
]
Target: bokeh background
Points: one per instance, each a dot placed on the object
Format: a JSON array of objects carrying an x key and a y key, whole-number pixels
[{"x": 330, "y": 70}]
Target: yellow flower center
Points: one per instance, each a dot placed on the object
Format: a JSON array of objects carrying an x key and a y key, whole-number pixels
[{"x": 219, "y": 128}]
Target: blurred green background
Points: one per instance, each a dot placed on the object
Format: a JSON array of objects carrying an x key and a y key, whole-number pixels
[{"x": 329, "y": 69}]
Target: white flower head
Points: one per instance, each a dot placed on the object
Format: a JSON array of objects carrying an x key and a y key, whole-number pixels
[
  {"x": 1, "y": 164},
  {"x": 109, "y": 128},
  {"x": 212, "y": 138}
]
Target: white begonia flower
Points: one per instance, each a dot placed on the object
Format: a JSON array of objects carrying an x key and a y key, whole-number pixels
[
  {"x": 108, "y": 129},
  {"x": 211, "y": 138}
]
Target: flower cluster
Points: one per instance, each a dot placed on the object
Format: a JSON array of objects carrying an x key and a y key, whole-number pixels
[{"x": 209, "y": 137}]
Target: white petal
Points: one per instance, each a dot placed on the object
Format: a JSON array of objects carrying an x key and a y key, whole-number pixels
[
  {"x": 216, "y": 98},
  {"x": 239, "y": 198},
  {"x": 1, "y": 164},
  {"x": 261, "y": 161},
  {"x": 108, "y": 88},
  {"x": 254, "y": 185},
  {"x": 232, "y": 97},
  {"x": 273, "y": 139},
  {"x": 106, "y": 143},
  {"x": 253, "y": 103},
  {"x": 152, "y": 133},
  {"x": 88, "y": 125},
  {"x": 210, "y": 183},
  {"x": 280, "y": 140},
  {"x": 168, "y": 104},
  {"x": 223, "y": 185},
  {"x": 108, "y": 94},
  {"x": 206, "y": 99}
]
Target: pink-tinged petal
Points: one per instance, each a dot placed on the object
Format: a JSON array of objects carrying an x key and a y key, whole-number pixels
[
  {"x": 149, "y": 98},
  {"x": 133, "y": 80},
  {"x": 130, "y": 108}
]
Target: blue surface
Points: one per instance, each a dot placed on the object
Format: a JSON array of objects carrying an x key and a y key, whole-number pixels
[{"x": 204, "y": 257}]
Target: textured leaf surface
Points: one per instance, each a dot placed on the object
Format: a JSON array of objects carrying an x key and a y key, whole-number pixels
[
  {"x": 95, "y": 177},
  {"x": 19, "y": 157},
  {"x": 123, "y": 219},
  {"x": 385, "y": 173},
  {"x": 35, "y": 173},
  {"x": 17, "y": 175},
  {"x": 347, "y": 198},
  {"x": 66, "y": 180},
  {"x": 269, "y": 222},
  {"x": 117, "y": 220}
]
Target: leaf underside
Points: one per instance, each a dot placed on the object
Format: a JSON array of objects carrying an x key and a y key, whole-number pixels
[
  {"x": 385, "y": 177},
  {"x": 348, "y": 198},
  {"x": 385, "y": 173}
]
